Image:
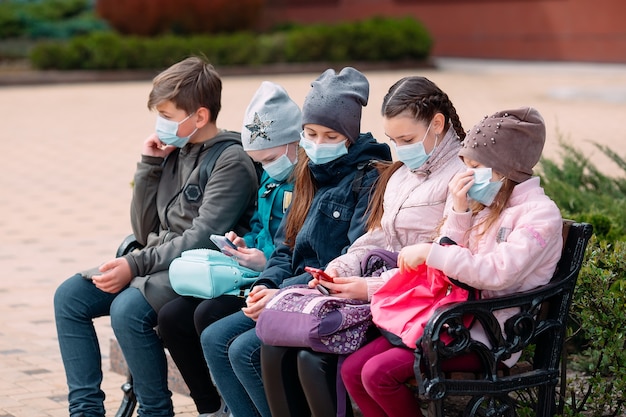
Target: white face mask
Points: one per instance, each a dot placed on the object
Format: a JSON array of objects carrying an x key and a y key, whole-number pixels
[
  {"x": 167, "y": 131},
  {"x": 414, "y": 155},
  {"x": 281, "y": 168},
  {"x": 324, "y": 152}
]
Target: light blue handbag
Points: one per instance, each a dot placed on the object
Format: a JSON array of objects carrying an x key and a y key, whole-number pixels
[{"x": 207, "y": 273}]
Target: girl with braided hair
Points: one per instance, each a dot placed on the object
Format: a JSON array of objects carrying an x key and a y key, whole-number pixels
[{"x": 405, "y": 208}]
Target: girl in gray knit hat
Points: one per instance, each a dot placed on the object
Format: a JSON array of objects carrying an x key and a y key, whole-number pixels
[
  {"x": 406, "y": 206},
  {"x": 333, "y": 181}
]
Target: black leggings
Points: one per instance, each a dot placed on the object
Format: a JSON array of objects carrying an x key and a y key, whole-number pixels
[
  {"x": 181, "y": 321},
  {"x": 300, "y": 382}
]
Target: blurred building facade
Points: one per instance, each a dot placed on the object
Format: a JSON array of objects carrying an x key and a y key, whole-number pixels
[{"x": 553, "y": 30}]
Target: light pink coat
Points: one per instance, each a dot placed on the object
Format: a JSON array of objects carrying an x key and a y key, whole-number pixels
[
  {"x": 518, "y": 253},
  {"x": 414, "y": 204}
]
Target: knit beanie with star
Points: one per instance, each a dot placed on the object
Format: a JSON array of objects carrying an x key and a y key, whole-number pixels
[{"x": 271, "y": 119}]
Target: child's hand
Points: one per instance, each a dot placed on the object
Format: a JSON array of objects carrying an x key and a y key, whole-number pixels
[
  {"x": 152, "y": 146},
  {"x": 411, "y": 257},
  {"x": 249, "y": 257},
  {"x": 257, "y": 299},
  {"x": 115, "y": 275},
  {"x": 354, "y": 288},
  {"x": 238, "y": 241},
  {"x": 459, "y": 186}
]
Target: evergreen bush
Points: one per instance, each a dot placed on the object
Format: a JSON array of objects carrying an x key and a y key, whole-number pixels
[
  {"x": 596, "y": 383},
  {"x": 45, "y": 19}
]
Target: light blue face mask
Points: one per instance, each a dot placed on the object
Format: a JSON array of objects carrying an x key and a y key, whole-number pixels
[
  {"x": 167, "y": 131},
  {"x": 280, "y": 169},
  {"x": 414, "y": 155},
  {"x": 322, "y": 153},
  {"x": 484, "y": 190}
]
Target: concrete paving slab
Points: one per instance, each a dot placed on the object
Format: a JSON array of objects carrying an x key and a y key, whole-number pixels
[{"x": 69, "y": 153}]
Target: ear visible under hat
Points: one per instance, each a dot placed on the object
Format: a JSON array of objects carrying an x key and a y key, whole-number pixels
[
  {"x": 510, "y": 142},
  {"x": 336, "y": 101},
  {"x": 271, "y": 119}
]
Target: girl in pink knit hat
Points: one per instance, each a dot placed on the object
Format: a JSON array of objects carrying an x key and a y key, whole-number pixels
[{"x": 509, "y": 239}]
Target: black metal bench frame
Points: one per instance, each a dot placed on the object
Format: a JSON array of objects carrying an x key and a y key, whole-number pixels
[
  {"x": 129, "y": 401},
  {"x": 539, "y": 324}
]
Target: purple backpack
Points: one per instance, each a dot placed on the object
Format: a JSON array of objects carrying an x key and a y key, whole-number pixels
[
  {"x": 299, "y": 316},
  {"x": 378, "y": 261}
]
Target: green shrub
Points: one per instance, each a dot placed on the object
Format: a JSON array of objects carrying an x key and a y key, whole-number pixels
[
  {"x": 597, "y": 343},
  {"x": 598, "y": 315},
  {"x": 11, "y": 25},
  {"x": 39, "y": 19},
  {"x": 375, "y": 39},
  {"x": 583, "y": 193}
]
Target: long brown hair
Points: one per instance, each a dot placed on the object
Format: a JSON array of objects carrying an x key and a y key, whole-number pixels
[
  {"x": 422, "y": 99},
  {"x": 304, "y": 190}
]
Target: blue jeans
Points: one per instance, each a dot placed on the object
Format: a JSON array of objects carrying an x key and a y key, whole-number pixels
[
  {"x": 233, "y": 352},
  {"x": 76, "y": 303}
]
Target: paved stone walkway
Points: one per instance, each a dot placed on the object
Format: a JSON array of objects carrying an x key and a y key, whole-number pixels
[{"x": 69, "y": 152}]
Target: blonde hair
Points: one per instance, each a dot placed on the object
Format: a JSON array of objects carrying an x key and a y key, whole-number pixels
[{"x": 499, "y": 204}]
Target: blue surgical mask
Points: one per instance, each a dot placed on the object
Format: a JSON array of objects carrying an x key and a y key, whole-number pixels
[
  {"x": 324, "y": 152},
  {"x": 167, "y": 131},
  {"x": 484, "y": 190},
  {"x": 280, "y": 169},
  {"x": 414, "y": 155}
]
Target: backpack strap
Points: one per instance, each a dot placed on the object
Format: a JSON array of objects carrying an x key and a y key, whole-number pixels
[{"x": 208, "y": 163}]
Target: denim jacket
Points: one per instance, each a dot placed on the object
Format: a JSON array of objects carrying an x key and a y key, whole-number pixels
[{"x": 335, "y": 219}]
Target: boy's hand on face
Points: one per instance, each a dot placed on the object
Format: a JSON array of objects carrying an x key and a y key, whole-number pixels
[
  {"x": 152, "y": 146},
  {"x": 115, "y": 276}
]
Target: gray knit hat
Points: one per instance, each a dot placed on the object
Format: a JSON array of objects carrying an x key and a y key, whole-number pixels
[
  {"x": 336, "y": 101},
  {"x": 510, "y": 142},
  {"x": 271, "y": 119}
]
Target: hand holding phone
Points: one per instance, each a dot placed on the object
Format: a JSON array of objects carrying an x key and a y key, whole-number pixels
[
  {"x": 322, "y": 289},
  {"x": 222, "y": 242},
  {"x": 318, "y": 274}
]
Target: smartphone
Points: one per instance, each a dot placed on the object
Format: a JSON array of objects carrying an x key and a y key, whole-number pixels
[
  {"x": 322, "y": 289},
  {"x": 222, "y": 241},
  {"x": 318, "y": 273}
]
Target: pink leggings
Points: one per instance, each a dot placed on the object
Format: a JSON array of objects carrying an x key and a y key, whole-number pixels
[{"x": 375, "y": 377}]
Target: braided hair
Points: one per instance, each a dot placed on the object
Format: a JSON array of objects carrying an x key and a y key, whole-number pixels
[{"x": 422, "y": 99}]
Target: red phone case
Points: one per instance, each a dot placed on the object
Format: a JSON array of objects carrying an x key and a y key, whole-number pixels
[{"x": 318, "y": 273}]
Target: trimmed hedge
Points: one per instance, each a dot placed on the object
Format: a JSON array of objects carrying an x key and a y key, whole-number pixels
[{"x": 376, "y": 39}]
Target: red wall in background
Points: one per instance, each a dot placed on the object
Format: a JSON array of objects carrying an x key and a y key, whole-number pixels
[{"x": 554, "y": 30}]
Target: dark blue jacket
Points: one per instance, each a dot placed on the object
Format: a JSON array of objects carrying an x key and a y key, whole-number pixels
[{"x": 336, "y": 217}]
